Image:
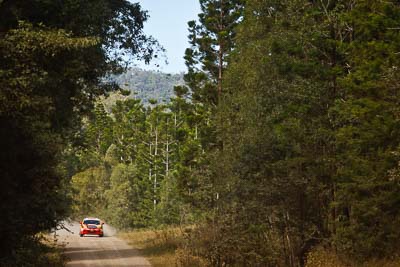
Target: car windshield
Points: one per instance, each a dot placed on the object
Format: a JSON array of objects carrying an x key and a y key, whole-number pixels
[{"x": 96, "y": 222}]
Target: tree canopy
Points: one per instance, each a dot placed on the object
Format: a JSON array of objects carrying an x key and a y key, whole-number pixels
[{"x": 53, "y": 59}]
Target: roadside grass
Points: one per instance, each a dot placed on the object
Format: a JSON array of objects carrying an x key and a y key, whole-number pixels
[
  {"x": 320, "y": 257},
  {"x": 164, "y": 248},
  {"x": 39, "y": 250},
  {"x": 53, "y": 252},
  {"x": 158, "y": 246}
]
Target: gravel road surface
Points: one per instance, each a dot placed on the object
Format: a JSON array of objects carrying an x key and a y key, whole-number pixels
[{"x": 98, "y": 251}]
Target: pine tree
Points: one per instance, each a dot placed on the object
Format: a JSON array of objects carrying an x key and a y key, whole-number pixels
[
  {"x": 275, "y": 170},
  {"x": 211, "y": 43},
  {"x": 129, "y": 129},
  {"x": 309, "y": 152},
  {"x": 366, "y": 124}
]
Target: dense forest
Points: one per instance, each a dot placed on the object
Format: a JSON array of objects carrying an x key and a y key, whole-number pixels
[{"x": 282, "y": 140}]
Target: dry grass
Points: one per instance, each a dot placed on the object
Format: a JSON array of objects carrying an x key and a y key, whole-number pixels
[
  {"x": 164, "y": 248},
  {"x": 54, "y": 252},
  {"x": 320, "y": 257},
  {"x": 158, "y": 246}
]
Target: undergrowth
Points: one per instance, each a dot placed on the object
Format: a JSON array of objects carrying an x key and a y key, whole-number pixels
[{"x": 36, "y": 251}]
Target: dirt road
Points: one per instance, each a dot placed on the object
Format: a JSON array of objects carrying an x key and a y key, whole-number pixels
[{"x": 98, "y": 251}]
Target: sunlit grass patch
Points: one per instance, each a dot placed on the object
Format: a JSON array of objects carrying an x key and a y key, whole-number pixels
[{"x": 158, "y": 246}]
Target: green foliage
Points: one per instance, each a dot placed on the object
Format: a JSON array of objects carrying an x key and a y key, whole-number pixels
[
  {"x": 121, "y": 196},
  {"x": 290, "y": 139},
  {"x": 36, "y": 251},
  {"x": 309, "y": 124},
  {"x": 367, "y": 126},
  {"x": 53, "y": 59},
  {"x": 135, "y": 162},
  {"x": 211, "y": 40},
  {"x": 31, "y": 119},
  {"x": 145, "y": 85},
  {"x": 91, "y": 186},
  {"x": 119, "y": 25}
]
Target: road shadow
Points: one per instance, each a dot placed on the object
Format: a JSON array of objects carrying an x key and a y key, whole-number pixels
[
  {"x": 136, "y": 265},
  {"x": 100, "y": 254}
]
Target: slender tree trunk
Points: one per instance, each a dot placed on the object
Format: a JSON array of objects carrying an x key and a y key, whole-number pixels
[
  {"x": 221, "y": 50},
  {"x": 155, "y": 167}
]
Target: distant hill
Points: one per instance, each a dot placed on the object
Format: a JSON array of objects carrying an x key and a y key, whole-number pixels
[{"x": 149, "y": 84}]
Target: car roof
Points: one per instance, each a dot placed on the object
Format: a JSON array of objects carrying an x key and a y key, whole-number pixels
[{"x": 89, "y": 218}]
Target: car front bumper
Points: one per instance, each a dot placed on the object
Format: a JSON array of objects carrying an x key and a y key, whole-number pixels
[{"x": 86, "y": 231}]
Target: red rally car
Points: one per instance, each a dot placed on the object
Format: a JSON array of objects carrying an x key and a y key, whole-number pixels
[{"x": 91, "y": 226}]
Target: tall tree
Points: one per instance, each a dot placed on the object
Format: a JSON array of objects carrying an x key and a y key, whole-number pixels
[
  {"x": 30, "y": 144},
  {"x": 212, "y": 40},
  {"x": 367, "y": 126},
  {"x": 309, "y": 154},
  {"x": 274, "y": 172}
]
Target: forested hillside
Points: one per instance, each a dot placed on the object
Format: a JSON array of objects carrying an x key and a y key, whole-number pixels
[{"x": 146, "y": 85}]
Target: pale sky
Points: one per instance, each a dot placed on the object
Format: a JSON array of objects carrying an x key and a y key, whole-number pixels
[{"x": 168, "y": 24}]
